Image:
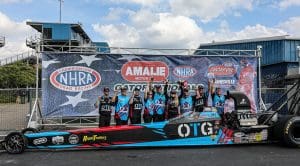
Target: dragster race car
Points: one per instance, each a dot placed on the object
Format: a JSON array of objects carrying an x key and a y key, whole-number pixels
[{"x": 241, "y": 126}]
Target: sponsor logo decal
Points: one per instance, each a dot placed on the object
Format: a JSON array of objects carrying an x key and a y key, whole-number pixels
[
  {"x": 40, "y": 141},
  {"x": 87, "y": 138},
  {"x": 73, "y": 139},
  {"x": 142, "y": 71},
  {"x": 195, "y": 129},
  {"x": 222, "y": 70},
  {"x": 58, "y": 140},
  {"x": 184, "y": 71},
  {"x": 75, "y": 78}
]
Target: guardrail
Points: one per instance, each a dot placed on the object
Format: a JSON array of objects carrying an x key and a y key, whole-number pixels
[
  {"x": 16, "y": 58},
  {"x": 153, "y": 51}
]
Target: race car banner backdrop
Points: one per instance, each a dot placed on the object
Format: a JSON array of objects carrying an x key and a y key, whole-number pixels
[{"x": 71, "y": 83}]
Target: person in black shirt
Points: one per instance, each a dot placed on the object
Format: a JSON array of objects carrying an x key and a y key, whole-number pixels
[
  {"x": 104, "y": 103},
  {"x": 135, "y": 107},
  {"x": 172, "y": 109},
  {"x": 200, "y": 99}
]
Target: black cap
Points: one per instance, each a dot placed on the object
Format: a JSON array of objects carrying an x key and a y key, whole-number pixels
[
  {"x": 123, "y": 88},
  {"x": 157, "y": 86},
  {"x": 201, "y": 86},
  {"x": 106, "y": 89},
  {"x": 185, "y": 89},
  {"x": 173, "y": 91},
  {"x": 136, "y": 89}
]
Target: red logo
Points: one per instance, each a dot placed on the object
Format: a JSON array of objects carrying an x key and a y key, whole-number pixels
[
  {"x": 184, "y": 71},
  {"x": 75, "y": 78},
  {"x": 221, "y": 70},
  {"x": 142, "y": 71}
]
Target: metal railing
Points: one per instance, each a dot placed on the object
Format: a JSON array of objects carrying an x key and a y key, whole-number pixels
[
  {"x": 16, "y": 58},
  {"x": 144, "y": 51}
]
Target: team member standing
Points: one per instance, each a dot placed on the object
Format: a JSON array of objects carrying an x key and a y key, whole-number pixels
[
  {"x": 149, "y": 105},
  {"x": 218, "y": 98},
  {"x": 104, "y": 103},
  {"x": 136, "y": 106},
  {"x": 172, "y": 109},
  {"x": 185, "y": 99},
  {"x": 200, "y": 99},
  {"x": 160, "y": 102},
  {"x": 121, "y": 106}
]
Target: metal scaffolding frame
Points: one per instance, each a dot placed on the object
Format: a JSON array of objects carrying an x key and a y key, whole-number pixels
[{"x": 90, "y": 50}]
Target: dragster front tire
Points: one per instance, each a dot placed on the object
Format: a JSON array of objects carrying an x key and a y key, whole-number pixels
[{"x": 15, "y": 143}]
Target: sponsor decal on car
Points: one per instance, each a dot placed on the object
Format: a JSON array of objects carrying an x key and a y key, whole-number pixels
[
  {"x": 184, "y": 71},
  {"x": 143, "y": 71},
  {"x": 195, "y": 129},
  {"x": 95, "y": 137},
  {"x": 75, "y": 78},
  {"x": 73, "y": 139},
  {"x": 58, "y": 140},
  {"x": 40, "y": 141}
]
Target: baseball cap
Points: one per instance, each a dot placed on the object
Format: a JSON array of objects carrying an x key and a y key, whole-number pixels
[
  {"x": 185, "y": 89},
  {"x": 136, "y": 89},
  {"x": 106, "y": 89},
  {"x": 123, "y": 88},
  {"x": 173, "y": 91},
  {"x": 200, "y": 86}
]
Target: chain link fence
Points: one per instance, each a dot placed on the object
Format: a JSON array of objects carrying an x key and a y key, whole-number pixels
[{"x": 15, "y": 107}]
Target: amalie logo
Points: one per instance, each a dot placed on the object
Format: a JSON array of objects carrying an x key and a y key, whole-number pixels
[
  {"x": 142, "y": 71},
  {"x": 184, "y": 71},
  {"x": 222, "y": 70},
  {"x": 75, "y": 78}
]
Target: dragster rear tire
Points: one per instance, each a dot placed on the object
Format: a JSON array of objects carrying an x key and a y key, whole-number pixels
[
  {"x": 287, "y": 131},
  {"x": 15, "y": 143}
]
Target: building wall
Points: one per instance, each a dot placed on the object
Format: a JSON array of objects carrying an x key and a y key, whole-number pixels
[
  {"x": 59, "y": 31},
  {"x": 273, "y": 52}
]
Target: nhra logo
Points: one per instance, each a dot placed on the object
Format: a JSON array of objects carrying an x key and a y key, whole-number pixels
[
  {"x": 142, "y": 71},
  {"x": 184, "y": 71},
  {"x": 222, "y": 70},
  {"x": 75, "y": 78}
]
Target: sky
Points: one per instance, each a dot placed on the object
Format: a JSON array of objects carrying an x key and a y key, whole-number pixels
[{"x": 152, "y": 23}]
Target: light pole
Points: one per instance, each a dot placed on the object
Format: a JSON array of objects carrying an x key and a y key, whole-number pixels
[{"x": 60, "y": 4}]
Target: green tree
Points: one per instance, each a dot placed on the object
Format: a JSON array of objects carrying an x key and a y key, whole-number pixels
[{"x": 17, "y": 75}]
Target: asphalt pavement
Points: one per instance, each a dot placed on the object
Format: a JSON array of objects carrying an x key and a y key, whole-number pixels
[{"x": 240, "y": 155}]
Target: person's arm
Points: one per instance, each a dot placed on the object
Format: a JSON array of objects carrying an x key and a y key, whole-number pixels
[
  {"x": 131, "y": 98},
  {"x": 181, "y": 89},
  {"x": 97, "y": 104},
  {"x": 115, "y": 97},
  {"x": 211, "y": 86},
  {"x": 166, "y": 86}
]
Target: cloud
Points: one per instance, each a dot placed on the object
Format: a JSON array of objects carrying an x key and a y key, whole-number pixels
[
  {"x": 15, "y": 34},
  {"x": 163, "y": 30},
  {"x": 167, "y": 30},
  {"x": 139, "y": 2},
  {"x": 208, "y": 10},
  {"x": 116, "y": 14},
  {"x": 283, "y": 4},
  {"x": 14, "y": 1},
  {"x": 291, "y": 26}
]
